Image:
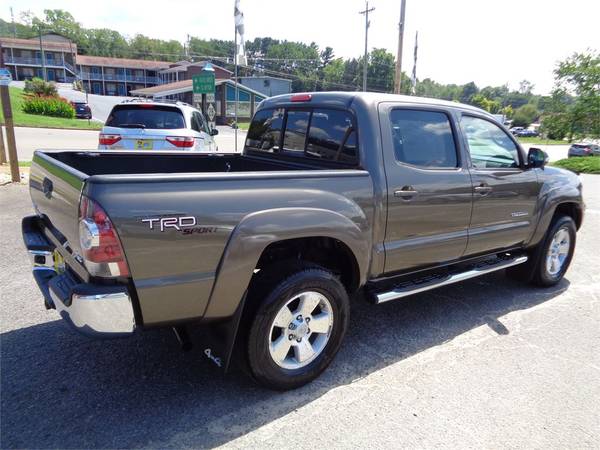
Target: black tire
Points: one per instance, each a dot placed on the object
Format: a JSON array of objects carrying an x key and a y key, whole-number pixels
[
  {"x": 275, "y": 287},
  {"x": 535, "y": 271}
]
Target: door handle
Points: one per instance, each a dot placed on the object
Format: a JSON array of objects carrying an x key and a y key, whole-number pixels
[
  {"x": 483, "y": 189},
  {"x": 406, "y": 193}
]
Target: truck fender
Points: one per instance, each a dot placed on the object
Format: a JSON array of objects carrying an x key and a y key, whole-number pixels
[{"x": 258, "y": 230}]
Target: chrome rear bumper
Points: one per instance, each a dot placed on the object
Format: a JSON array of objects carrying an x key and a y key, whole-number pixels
[
  {"x": 98, "y": 315},
  {"x": 96, "y": 310}
]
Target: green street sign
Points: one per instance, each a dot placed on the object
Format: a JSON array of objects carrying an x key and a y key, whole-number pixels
[{"x": 204, "y": 83}]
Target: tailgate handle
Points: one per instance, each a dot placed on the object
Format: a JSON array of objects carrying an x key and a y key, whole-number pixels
[{"x": 47, "y": 187}]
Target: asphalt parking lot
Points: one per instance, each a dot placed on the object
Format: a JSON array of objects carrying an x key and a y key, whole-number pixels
[{"x": 488, "y": 363}]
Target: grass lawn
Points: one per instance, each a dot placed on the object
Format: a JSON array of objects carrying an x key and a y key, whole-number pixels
[
  {"x": 582, "y": 164},
  {"x": 243, "y": 126},
  {"x": 540, "y": 141},
  {"x": 33, "y": 120}
]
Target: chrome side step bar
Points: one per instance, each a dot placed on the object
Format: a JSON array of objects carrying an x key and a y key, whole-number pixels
[{"x": 410, "y": 288}]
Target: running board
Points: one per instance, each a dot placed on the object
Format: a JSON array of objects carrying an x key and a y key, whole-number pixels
[{"x": 432, "y": 282}]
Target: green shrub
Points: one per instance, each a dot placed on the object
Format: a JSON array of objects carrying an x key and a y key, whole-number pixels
[
  {"x": 37, "y": 86},
  {"x": 582, "y": 164},
  {"x": 48, "y": 106}
]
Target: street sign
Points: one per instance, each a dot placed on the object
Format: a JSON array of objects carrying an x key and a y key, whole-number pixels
[
  {"x": 204, "y": 83},
  {"x": 211, "y": 112}
]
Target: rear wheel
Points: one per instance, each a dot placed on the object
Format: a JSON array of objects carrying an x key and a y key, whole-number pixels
[{"x": 298, "y": 327}]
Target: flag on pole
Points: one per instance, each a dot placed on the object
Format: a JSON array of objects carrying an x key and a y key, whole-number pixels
[
  {"x": 414, "y": 72},
  {"x": 239, "y": 29}
]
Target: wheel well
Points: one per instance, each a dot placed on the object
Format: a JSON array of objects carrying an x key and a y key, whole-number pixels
[
  {"x": 327, "y": 252},
  {"x": 569, "y": 209}
]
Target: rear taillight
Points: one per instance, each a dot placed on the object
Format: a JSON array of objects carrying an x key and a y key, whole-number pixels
[
  {"x": 587, "y": 150},
  {"x": 101, "y": 250},
  {"x": 181, "y": 141},
  {"x": 109, "y": 139}
]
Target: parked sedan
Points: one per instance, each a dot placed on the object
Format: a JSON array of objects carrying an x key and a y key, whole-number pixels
[
  {"x": 584, "y": 150},
  {"x": 82, "y": 110},
  {"x": 143, "y": 125},
  {"x": 515, "y": 130},
  {"x": 526, "y": 133}
]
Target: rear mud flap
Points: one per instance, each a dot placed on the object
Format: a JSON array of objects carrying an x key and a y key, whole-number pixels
[{"x": 219, "y": 339}]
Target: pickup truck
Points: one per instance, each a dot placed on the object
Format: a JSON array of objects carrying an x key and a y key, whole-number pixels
[{"x": 336, "y": 196}]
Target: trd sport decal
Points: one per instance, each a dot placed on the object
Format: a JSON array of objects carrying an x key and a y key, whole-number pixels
[{"x": 184, "y": 224}]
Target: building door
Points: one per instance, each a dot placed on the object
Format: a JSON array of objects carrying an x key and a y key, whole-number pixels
[
  {"x": 429, "y": 192},
  {"x": 97, "y": 88},
  {"x": 121, "y": 90},
  {"x": 50, "y": 74}
]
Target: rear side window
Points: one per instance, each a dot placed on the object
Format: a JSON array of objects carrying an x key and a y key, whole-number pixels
[
  {"x": 146, "y": 116},
  {"x": 325, "y": 134},
  {"x": 423, "y": 138},
  {"x": 332, "y": 136},
  {"x": 296, "y": 127},
  {"x": 264, "y": 133}
]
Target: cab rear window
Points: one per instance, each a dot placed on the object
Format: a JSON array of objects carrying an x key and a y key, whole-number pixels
[
  {"x": 311, "y": 133},
  {"x": 156, "y": 117}
]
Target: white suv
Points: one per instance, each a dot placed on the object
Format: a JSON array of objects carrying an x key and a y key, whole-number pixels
[{"x": 156, "y": 125}]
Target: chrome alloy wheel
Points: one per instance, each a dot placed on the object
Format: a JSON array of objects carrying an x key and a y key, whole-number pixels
[
  {"x": 558, "y": 251},
  {"x": 300, "y": 330}
]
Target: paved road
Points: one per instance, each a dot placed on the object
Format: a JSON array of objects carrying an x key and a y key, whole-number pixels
[
  {"x": 489, "y": 363},
  {"x": 31, "y": 139},
  {"x": 101, "y": 105}
]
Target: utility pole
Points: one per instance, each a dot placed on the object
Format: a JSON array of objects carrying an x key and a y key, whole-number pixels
[
  {"x": 12, "y": 17},
  {"x": 366, "y": 57},
  {"x": 398, "y": 77},
  {"x": 42, "y": 53},
  {"x": 10, "y": 129}
]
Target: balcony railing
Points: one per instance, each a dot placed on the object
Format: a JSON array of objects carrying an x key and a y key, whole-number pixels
[
  {"x": 118, "y": 77},
  {"x": 37, "y": 62}
]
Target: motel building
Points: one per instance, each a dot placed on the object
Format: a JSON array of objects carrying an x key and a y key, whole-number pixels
[{"x": 134, "y": 77}]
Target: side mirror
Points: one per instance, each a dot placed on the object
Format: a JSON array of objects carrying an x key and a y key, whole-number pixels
[
  {"x": 214, "y": 132},
  {"x": 537, "y": 158}
]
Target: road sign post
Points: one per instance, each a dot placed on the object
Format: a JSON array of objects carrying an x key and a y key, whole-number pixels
[
  {"x": 10, "y": 130},
  {"x": 203, "y": 86}
]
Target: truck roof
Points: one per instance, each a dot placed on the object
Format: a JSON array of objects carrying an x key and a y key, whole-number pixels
[{"x": 344, "y": 98}]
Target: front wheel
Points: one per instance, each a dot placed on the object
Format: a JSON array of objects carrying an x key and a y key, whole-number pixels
[
  {"x": 298, "y": 328},
  {"x": 549, "y": 266}
]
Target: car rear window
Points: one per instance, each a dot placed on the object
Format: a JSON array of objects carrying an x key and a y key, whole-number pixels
[
  {"x": 319, "y": 133},
  {"x": 146, "y": 116}
]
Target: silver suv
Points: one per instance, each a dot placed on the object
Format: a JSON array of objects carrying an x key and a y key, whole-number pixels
[{"x": 156, "y": 125}]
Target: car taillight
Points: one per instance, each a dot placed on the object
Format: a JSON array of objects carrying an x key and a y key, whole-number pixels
[
  {"x": 587, "y": 150},
  {"x": 181, "y": 141},
  {"x": 101, "y": 249},
  {"x": 109, "y": 139}
]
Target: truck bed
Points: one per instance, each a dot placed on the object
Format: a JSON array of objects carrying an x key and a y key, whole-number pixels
[{"x": 120, "y": 163}]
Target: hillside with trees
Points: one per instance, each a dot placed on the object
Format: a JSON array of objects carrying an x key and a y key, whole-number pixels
[{"x": 572, "y": 110}]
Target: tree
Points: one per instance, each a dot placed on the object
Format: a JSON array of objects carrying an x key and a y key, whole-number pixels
[
  {"x": 525, "y": 87},
  {"x": 578, "y": 75},
  {"x": 525, "y": 115},
  {"x": 380, "y": 70},
  {"x": 491, "y": 106},
  {"x": 468, "y": 91}
]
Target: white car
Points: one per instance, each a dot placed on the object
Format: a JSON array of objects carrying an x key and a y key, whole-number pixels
[{"x": 156, "y": 125}]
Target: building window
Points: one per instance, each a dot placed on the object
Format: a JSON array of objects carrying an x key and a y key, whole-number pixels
[{"x": 243, "y": 103}]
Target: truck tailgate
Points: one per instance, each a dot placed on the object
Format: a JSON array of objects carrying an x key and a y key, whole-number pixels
[{"x": 55, "y": 190}]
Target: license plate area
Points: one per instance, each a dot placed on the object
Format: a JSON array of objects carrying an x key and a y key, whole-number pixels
[{"x": 143, "y": 144}]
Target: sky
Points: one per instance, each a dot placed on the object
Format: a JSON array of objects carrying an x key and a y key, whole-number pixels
[{"x": 489, "y": 42}]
